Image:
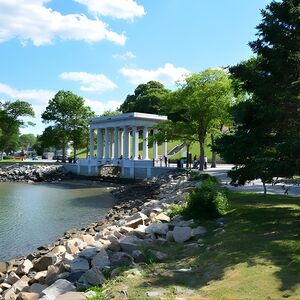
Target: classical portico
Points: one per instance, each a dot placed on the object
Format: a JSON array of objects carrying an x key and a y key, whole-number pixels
[{"x": 117, "y": 139}]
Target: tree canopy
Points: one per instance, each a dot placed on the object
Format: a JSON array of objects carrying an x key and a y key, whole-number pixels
[
  {"x": 69, "y": 118},
  {"x": 11, "y": 120},
  {"x": 266, "y": 140},
  {"x": 147, "y": 98}
]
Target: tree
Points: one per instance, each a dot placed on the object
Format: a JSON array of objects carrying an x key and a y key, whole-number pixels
[
  {"x": 27, "y": 140},
  {"x": 11, "y": 113},
  {"x": 269, "y": 121},
  {"x": 200, "y": 104},
  {"x": 147, "y": 98},
  {"x": 69, "y": 116}
]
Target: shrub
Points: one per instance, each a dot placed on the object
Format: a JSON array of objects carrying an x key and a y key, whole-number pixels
[
  {"x": 176, "y": 209},
  {"x": 208, "y": 201},
  {"x": 8, "y": 157}
]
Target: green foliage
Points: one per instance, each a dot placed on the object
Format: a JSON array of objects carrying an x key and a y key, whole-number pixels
[
  {"x": 206, "y": 202},
  {"x": 147, "y": 98},
  {"x": 27, "y": 140},
  {"x": 266, "y": 140},
  {"x": 176, "y": 209},
  {"x": 98, "y": 291},
  {"x": 11, "y": 114},
  {"x": 69, "y": 118}
]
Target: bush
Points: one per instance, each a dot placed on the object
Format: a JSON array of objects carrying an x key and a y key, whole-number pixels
[
  {"x": 208, "y": 201},
  {"x": 8, "y": 157}
]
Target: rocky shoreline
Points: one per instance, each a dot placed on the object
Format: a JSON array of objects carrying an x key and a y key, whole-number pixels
[
  {"x": 34, "y": 173},
  {"x": 84, "y": 258}
]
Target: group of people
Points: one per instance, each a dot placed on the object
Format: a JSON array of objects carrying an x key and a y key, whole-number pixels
[{"x": 196, "y": 162}]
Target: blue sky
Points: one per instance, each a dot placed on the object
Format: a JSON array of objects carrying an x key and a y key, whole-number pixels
[{"x": 102, "y": 49}]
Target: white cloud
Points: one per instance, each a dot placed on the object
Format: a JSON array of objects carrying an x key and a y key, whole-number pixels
[
  {"x": 125, "y": 56},
  {"x": 36, "y": 97},
  {"x": 120, "y": 9},
  {"x": 100, "y": 107},
  {"x": 168, "y": 74},
  {"x": 30, "y": 20},
  {"x": 96, "y": 83}
]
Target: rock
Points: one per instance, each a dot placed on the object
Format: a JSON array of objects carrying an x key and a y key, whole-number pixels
[
  {"x": 67, "y": 258},
  {"x": 125, "y": 230},
  {"x": 20, "y": 284},
  {"x": 24, "y": 267},
  {"x": 130, "y": 243},
  {"x": 199, "y": 231},
  {"x": 79, "y": 264},
  {"x": 92, "y": 277},
  {"x": 88, "y": 239},
  {"x": 90, "y": 294},
  {"x": 120, "y": 258},
  {"x": 135, "y": 220},
  {"x": 162, "y": 217},
  {"x": 3, "y": 267},
  {"x": 89, "y": 252},
  {"x": 74, "y": 276},
  {"x": 169, "y": 236},
  {"x": 59, "y": 287},
  {"x": 72, "y": 249},
  {"x": 138, "y": 256},
  {"x": 155, "y": 294},
  {"x": 37, "y": 288},
  {"x": 44, "y": 262},
  {"x": 10, "y": 294},
  {"x": 28, "y": 296},
  {"x": 101, "y": 260},
  {"x": 38, "y": 277},
  {"x": 5, "y": 286},
  {"x": 182, "y": 234},
  {"x": 58, "y": 250},
  {"x": 114, "y": 246},
  {"x": 12, "y": 278},
  {"x": 71, "y": 296},
  {"x": 157, "y": 228},
  {"x": 186, "y": 223}
]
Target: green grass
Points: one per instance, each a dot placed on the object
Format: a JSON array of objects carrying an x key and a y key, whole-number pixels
[{"x": 257, "y": 257}]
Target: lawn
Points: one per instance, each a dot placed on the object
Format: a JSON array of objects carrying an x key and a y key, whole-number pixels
[{"x": 256, "y": 257}]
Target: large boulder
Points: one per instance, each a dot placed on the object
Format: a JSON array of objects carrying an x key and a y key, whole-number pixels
[
  {"x": 120, "y": 259},
  {"x": 44, "y": 262},
  {"x": 101, "y": 260},
  {"x": 28, "y": 296},
  {"x": 130, "y": 243},
  {"x": 157, "y": 228},
  {"x": 182, "y": 234},
  {"x": 89, "y": 252},
  {"x": 24, "y": 267},
  {"x": 92, "y": 277},
  {"x": 199, "y": 231},
  {"x": 59, "y": 287},
  {"x": 136, "y": 220},
  {"x": 79, "y": 264},
  {"x": 71, "y": 296}
]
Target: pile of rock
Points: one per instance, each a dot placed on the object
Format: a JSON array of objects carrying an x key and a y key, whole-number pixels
[
  {"x": 32, "y": 173},
  {"x": 84, "y": 258}
]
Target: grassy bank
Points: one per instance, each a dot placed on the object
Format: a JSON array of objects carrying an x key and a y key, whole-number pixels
[{"x": 257, "y": 256}]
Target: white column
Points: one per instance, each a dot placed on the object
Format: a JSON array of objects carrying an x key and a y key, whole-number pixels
[
  {"x": 145, "y": 143},
  {"x": 135, "y": 135},
  {"x": 165, "y": 148},
  {"x": 155, "y": 147},
  {"x": 111, "y": 144},
  {"x": 99, "y": 144},
  {"x": 120, "y": 143},
  {"x": 126, "y": 142},
  {"x": 106, "y": 140},
  {"x": 116, "y": 143},
  {"x": 91, "y": 143}
]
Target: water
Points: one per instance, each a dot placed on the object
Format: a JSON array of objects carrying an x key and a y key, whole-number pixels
[{"x": 35, "y": 215}]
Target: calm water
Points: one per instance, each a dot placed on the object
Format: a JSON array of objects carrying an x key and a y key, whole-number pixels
[{"x": 34, "y": 215}]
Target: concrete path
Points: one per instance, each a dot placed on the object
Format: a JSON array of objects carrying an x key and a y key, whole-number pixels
[{"x": 254, "y": 186}]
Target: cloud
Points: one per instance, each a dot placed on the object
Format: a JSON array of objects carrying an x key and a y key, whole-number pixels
[
  {"x": 94, "y": 83},
  {"x": 36, "y": 97},
  {"x": 31, "y": 20},
  {"x": 100, "y": 107},
  {"x": 168, "y": 74},
  {"x": 119, "y": 9},
  {"x": 125, "y": 56}
]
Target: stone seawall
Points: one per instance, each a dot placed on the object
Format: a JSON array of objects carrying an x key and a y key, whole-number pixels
[{"x": 87, "y": 257}]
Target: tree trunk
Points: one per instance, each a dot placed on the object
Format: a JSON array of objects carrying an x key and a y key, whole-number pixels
[
  {"x": 1, "y": 155},
  {"x": 64, "y": 153},
  {"x": 214, "y": 154},
  {"x": 265, "y": 188},
  {"x": 201, "y": 167},
  {"x": 74, "y": 157}
]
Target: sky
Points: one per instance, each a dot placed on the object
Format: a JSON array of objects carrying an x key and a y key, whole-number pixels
[{"x": 102, "y": 49}]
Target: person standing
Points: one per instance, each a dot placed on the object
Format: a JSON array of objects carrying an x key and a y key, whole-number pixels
[{"x": 205, "y": 162}]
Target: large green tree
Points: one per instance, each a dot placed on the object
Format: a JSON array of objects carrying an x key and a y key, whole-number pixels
[
  {"x": 27, "y": 140},
  {"x": 11, "y": 120},
  {"x": 266, "y": 140},
  {"x": 147, "y": 98},
  {"x": 199, "y": 107},
  {"x": 69, "y": 121}
]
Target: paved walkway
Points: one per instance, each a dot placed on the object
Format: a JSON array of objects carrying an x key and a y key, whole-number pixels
[{"x": 254, "y": 186}]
